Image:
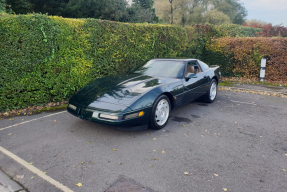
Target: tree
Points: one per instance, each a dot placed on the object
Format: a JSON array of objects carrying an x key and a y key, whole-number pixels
[
  {"x": 142, "y": 11},
  {"x": 170, "y": 10},
  {"x": 115, "y": 10},
  {"x": 193, "y": 11},
  {"x": 145, "y": 4},
  {"x": 20, "y": 6},
  {"x": 255, "y": 23},
  {"x": 109, "y": 9},
  {"x": 216, "y": 18},
  {"x": 234, "y": 9},
  {"x": 2, "y": 6}
]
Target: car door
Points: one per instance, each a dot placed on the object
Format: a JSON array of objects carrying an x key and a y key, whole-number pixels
[
  {"x": 205, "y": 77},
  {"x": 193, "y": 87}
]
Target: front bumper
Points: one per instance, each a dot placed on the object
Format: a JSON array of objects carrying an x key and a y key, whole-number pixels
[{"x": 137, "y": 123}]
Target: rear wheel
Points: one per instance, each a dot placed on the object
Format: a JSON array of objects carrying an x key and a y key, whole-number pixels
[
  {"x": 210, "y": 96},
  {"x": 160, "y": 112}
]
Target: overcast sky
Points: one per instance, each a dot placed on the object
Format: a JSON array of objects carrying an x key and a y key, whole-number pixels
[{"x": 271, "y": 11}]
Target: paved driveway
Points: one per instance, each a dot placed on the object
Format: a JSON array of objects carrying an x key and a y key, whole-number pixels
[{"x": 237, "y": 144}]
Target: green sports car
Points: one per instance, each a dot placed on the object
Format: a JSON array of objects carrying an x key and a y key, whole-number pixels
[{"x": 145, "y": 97}]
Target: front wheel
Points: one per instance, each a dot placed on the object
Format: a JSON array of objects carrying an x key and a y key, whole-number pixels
[
  {"x": 210, "y": 96},
  {"x": 160, "y": 112}
]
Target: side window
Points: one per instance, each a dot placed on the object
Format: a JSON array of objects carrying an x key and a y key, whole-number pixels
[
  {"x": 203, "y": 65},
  {"x": 196, "y": 68}
]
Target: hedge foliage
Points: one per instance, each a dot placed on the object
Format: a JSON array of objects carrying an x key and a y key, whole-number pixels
[
  {"x": 234, "y": 30},
  {"x": 242, "y": 56},
  {"x": 45, "y": 59}
]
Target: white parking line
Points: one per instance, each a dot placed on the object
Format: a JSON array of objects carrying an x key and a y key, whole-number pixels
[
  {"x": 35, "y": 170},
  {"x": 31, "y": 120},
  {"x": 243, "y": 102}
]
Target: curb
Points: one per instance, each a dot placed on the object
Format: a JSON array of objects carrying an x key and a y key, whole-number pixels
[
  {"x": 8, "y": 185},
  {"x": 244, "y": 89}
]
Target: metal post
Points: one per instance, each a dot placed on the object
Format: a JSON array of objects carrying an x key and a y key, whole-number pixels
[{"x": 262, "y": 69}]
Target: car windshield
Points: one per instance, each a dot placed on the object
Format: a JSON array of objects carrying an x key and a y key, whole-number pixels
[{"x": 173, "y": 69}]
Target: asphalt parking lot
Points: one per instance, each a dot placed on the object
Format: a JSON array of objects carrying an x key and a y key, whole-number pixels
[{"x": 237, "y": 144}]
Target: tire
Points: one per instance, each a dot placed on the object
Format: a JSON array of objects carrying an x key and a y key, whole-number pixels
[
  {"x": 210, "y": 96},
  {"x": 160, "y": 113}
]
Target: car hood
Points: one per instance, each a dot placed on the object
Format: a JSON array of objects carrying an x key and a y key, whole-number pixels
[{"x": 119, "y": 90}]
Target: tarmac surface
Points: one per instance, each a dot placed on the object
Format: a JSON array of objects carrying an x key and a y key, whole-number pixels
[{"x": 236, "y": 144}]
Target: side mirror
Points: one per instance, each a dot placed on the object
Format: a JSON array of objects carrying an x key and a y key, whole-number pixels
[{"x": 190, "y": 75}]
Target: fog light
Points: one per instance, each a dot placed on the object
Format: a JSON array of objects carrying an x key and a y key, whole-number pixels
[
  {"x": 105, "y": 116},
  {"x": 141, "y": 113},
  {"x": 72, "y": 107}
]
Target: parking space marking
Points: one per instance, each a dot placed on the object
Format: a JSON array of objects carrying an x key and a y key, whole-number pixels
[
  {"x": 35, "y": 170},
  {"x": 31, "y": 120},
  {"x": 243, "y": 102}
]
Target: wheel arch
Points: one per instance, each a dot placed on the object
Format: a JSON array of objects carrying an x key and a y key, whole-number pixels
[
  {"x": 215, "y": 78},
  {"x": 170, "y": 97}
]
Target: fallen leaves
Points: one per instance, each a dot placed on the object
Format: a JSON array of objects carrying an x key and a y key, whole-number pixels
[
  {"x": 90, "y": 143},
  {"x": 163, "y": 152},
  {"x": 147, "y": 134},
  {"x": 254, "y": 92},
  {"x": 32, "y": 177},
  {"x": 10, "y": 133},
  {"x": 114, "y": 149},
  {"x": 185, "y": 173},
  {"x": 185, "y": 134},
  {"x": 184, "y": 125},
  {"x": 283, "y": 169},
  {"x": 286, "y": 154},
  {"x": 34, "y": 109},
  {"x": 19, "y": 176},
  {"x": 55, "y": 120},
  {"x": 154, "y": 139},
  {"x": 154, "y": 158},
  {"x": 224, "y": 189},
  {"x": 31, "y": 163},
  {"x": 79, "y": 184},
  {"x": 216, "y": 175}
]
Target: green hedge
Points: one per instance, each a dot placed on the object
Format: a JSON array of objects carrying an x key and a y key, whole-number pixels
[
  {"x": 241, "y": 57},
  {"x": 234, "y": 30},
  {"x": 45, "y": 59}
]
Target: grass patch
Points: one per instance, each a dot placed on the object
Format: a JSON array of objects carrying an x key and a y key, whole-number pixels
[
  {"x": 226, "y": 83},
  {"x": 51, "y": 109}
]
